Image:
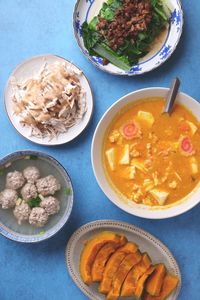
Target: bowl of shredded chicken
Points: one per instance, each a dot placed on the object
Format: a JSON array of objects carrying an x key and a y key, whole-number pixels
[{"x": 50, "y": 102}]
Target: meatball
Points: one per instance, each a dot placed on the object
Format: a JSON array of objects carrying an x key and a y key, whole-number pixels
[
  {"x": 15, "y": 180},
  {"x": 28, "y": 191},
  {"x": 38, "y": 217},
  {"x": 51, "y": 205},
  {"x": 31, "y": 174},
  {"x": 47, "y": 185},
  {"x": 22, "y": 212},
  {"x": 8, "y": 198}
]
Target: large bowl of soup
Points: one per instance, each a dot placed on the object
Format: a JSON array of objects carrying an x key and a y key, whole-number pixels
[{"x": 146, "y": 162}]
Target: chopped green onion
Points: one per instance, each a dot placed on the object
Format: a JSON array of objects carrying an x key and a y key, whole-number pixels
[
  {"x": 41, "y": 232},
  {"x": 34, "y": 202},
  {"x": 67, "y": 191},
  {"x": 33, "y": 157}
]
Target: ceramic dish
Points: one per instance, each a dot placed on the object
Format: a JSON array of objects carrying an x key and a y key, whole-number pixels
[
  {"x": 26, "y": 70},
  {"x": 86, "y": 10},
  {"x": 156, "y": 249},
  {"x": 25, "y": 232},
  {"x": 96, "y": 152}
]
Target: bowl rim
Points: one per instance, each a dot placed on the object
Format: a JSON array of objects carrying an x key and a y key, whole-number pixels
[
  {"x": 10, "y": 119},
  {"x": 169, "y": 212},
  {"x": 88, "y": 57},
  {"x": 23, "y": 238}
]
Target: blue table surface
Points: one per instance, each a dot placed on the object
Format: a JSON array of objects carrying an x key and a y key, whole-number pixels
[{"x": 28, "y": 28}]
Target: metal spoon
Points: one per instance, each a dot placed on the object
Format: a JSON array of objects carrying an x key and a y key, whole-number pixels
[{"x": 171, "y": 97}]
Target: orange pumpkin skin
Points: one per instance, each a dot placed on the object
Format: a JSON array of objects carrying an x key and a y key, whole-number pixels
[
  {"x": 155, "y": 282},
  {"x": 91, "y": 249},
  {"x": 102, "y": 257},
  {"x": 169, "y": 284},
  {"x": 133, "y": 276},
  {"x": 113, "y": 265},
  {"x": 141, "y": 282},
  {"x": 126, "y": 265}
]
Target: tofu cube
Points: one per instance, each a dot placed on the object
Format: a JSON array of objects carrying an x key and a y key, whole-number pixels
[
  {"x": 139, "y": 165},
  {"x": 129, "y": 172},
  {"x": 193, "y": 127},
  {"x": 132, "y": 172},
  {"x": 146, "y": 116},
  {"x": 160, "y": 196},
  {"x": 125, "y": 159},
  {"x": 110, "y": 154},
  {"x": 194, "y": 165}
]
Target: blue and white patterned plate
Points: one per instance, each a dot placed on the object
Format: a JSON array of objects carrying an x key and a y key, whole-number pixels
[
  {"x": 25, "y": 233},
  {"x": 165, "y": 45}
]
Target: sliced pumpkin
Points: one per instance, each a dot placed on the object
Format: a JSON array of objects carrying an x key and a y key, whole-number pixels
[
  {"x": 169, "y": 284},
  {"x": 141, "y": 282},
  {"x": 91, "y": 249},
  {"x": 126, "y": 265},
  {"x": 113, "y": 265},
  {"x": 129, "y": 285},
  {"x": 102, "y": 257},
  {"x": 155, "y": 282}
]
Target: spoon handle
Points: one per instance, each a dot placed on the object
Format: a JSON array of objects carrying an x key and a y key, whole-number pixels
[{"x": 172, "y": 96}]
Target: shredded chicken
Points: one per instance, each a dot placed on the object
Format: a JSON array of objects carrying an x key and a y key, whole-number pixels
[{"x": 51, "y": 102}]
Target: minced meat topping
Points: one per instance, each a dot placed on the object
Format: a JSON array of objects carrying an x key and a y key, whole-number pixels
[{"x": 131, "y": 19}]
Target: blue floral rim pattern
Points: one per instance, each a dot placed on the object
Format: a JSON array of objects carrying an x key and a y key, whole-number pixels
[
  {"x": 12, "y": 235},
  {"x": 151, "y": 63}
]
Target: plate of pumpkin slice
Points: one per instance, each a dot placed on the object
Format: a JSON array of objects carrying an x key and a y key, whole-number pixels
[{"x": 115, "y": 260}]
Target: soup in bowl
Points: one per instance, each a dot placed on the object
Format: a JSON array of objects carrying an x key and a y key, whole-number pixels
[{"x": 148, "y": 162}]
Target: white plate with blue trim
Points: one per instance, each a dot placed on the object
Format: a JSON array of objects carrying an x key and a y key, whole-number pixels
[
  {"x": 163, "y": 48},
  {"x": 146, "y": 242}
]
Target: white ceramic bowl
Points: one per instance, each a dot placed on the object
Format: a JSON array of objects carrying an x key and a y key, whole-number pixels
[
  {"x": 30, "y": 68},
  {"x": 96, "y": 152},
  {"x": 160, "y": 52}
]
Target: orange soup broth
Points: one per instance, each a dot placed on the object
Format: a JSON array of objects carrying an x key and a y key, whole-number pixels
[{"x": 167, "y": 131}]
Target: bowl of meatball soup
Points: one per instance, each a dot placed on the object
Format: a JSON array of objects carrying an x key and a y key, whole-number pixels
[{"x": 36, "y": 196}]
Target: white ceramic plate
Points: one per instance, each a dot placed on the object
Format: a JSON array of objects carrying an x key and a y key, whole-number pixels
[
  {"x": 85, "y": 10},
  {"x": 96, "y": 152},
  {"x": 28, "y": 69},
  {"x": 146, "y": 242}
]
